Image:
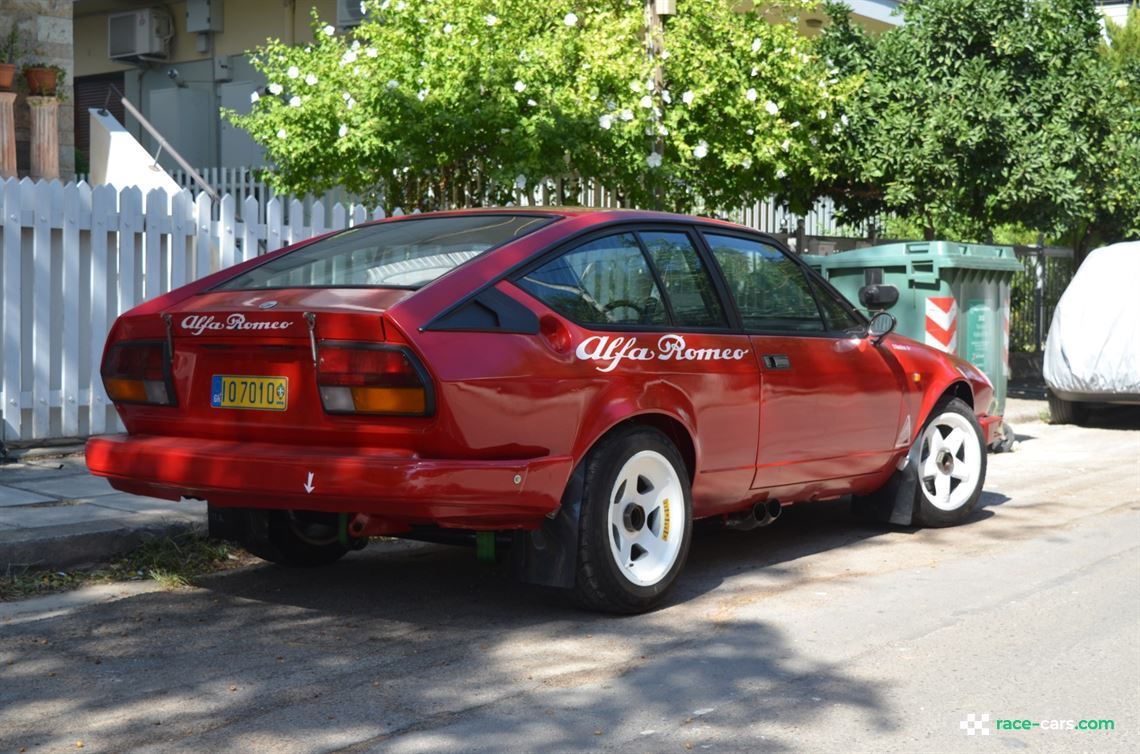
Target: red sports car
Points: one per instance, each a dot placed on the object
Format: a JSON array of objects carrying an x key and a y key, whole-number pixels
[{"x": 576, "y": 386}]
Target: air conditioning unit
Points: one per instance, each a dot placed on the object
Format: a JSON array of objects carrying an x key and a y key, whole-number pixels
[
  {"x": 349, "y": 13},
  {"x": 138, "y": 34}
]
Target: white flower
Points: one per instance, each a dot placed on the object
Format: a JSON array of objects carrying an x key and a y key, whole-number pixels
[
  {"x": 531, "y": 102},
  {"x": 343, "y": 131},
  {"x": 780, "y": 174},
  {"x": 755, "y": 71},
  {"x": 281, "y": 133},
  {"x": 371, "y": 52},
  {"x": 701, "y": 150},
  {"x": 351, "y": 103},
  {"x": 448, "y": 28},
  {"x": 650, "y": 85},
  {"x": 822, "y": 114},
  {"x": 520, "y": 181},
  {"x": 635, "y": 86},
  {"x": 276, "y": 89},
  {"x": 570, "y": 20},
  {"x": 664, "y": 54},
  {"x": 392, "y": 83},
  {"x": 401, "y": 5},
  {"x": 662, "y": 130},
  {"x": 520, "y": 86},
  {"x": 843, "y": 119},
  {"x": 786, "y": 145},
  {"x": 756, "y": 44},
  {"x": 626, "y": 115},
  {"x": 422, "y": 94},
  {"x": 295, "y": 101},
  {"x": 751, "y": 132},
  {"x": 348, "y": 57},
  {"x": 492, "y": 19},
  {"x": 311, "y": 80},
  {"x": 254, "y": 96},
  {"x": 794, "y": 124},
  {"x": 653, "y": 160},
  {"x": 746, "y": 163},
  {"x": 771, "y": 107},
  {"x": 345, "y": 96},
  {"x": 293, "y": 72},
  {"x": 687, "y": 97},
  {"x": 646, "y": 102},
  {"x": 750, "y": 95},
  {"x": 605, "y": 122},
  {"x": 329, "y": 30},
  {"x": 666, "y": 96}
]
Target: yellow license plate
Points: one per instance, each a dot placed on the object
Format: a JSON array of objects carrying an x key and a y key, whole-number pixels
[{"x": 238, "y": 391}]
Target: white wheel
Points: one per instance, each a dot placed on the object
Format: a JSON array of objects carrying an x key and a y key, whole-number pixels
[
  {"x": 950, "y": 462},
  {"x": 951, "y": 465},
  {"x": 646, "y": 510},
  {"x": 636, "y": 521}
]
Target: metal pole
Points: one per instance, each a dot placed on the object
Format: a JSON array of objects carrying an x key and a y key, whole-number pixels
[{"x": 163, "y": 144}]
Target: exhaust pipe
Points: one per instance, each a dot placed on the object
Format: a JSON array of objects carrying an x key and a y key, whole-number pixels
[{"x": 760, "y": 514}]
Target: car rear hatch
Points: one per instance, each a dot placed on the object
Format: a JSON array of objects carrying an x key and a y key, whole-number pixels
[{"x": 283, "y": 366}]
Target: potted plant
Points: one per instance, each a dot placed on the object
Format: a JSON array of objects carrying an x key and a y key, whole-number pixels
[
  {"x": 10, "y": 48},
  {"x": 44, "y": 79}
]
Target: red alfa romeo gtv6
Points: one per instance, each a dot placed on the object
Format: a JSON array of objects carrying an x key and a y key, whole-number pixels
[{"x": 576, "y": 385}]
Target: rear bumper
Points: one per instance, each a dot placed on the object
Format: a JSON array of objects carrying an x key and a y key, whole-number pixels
[{"x": 469, "y": 494}]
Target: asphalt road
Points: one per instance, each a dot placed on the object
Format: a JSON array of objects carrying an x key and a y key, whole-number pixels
[{"x": 816, "y": 634}]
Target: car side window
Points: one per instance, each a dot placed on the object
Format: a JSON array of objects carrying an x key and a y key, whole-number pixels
[
  {"x": 838, "y": 317},
  {"x": 606, "y": 281},
  {"x": 687, "y": 283},
  {"x": 771, "y": 291}
]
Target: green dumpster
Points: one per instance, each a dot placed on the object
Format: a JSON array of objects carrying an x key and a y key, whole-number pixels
[{"x": 952, "y": 296}]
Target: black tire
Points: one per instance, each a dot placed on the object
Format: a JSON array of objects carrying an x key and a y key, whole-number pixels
[
  {"x": 600, "y": 583},
  {"x": 1065, "y": 412},
  {"x": 289, "y": 538},
  {"x": 926, "y": 513}
]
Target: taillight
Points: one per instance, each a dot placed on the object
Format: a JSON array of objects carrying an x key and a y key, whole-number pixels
[
  {"x": 363, "y": 378},
  {"x": 138, "y": 372}
]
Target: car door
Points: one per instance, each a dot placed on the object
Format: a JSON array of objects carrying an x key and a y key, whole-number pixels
[{"x": 830, "y": 399}]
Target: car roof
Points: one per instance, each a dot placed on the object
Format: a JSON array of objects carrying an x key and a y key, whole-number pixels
[{"x": 597, "y": 214}]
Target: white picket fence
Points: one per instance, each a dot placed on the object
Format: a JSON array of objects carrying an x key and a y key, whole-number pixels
[{"x": 72, "y": 258}]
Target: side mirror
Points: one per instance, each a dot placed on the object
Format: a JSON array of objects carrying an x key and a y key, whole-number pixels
[
  {"x": 882, "y": 325},
  {"x": 878, "y": 296}
]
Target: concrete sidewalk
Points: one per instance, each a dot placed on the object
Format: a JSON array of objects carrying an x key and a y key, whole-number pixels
[{"x": 54, "y": 514}]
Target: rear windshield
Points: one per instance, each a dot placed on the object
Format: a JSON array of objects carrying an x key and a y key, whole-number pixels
[{"x": 403, "y": 254}]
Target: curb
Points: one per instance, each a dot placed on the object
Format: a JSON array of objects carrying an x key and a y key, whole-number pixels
[{"x": 65, "y": 546}]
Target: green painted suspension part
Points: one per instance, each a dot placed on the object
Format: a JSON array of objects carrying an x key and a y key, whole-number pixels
[{"x": 485, "y": 546}]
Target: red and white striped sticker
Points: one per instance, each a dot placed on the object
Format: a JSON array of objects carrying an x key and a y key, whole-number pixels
[{"x": 942, "y": 323}]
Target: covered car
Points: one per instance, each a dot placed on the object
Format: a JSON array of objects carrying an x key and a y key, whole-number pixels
[{"x": 1092, "y": 352}]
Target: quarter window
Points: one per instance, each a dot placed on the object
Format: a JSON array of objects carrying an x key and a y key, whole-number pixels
[
  {"x": 606, "y": 281},
  {"x": 771, "y": 291}
]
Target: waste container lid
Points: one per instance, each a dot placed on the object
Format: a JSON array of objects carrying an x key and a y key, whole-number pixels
[{"x": 942, "y": 253}]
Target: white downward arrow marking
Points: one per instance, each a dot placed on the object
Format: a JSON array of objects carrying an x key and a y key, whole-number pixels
[{"x": 309, "y": 486}]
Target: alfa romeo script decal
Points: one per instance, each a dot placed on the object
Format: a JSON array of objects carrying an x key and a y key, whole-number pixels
[
  {"x": 612, "y": 351},
  {"x": 200, "y": 323}
]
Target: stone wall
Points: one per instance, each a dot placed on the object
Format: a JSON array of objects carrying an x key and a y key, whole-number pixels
[{"x": 46, "y": 27}]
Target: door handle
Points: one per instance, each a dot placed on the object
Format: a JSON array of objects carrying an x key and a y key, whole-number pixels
[{"x": 777, "y": 361}]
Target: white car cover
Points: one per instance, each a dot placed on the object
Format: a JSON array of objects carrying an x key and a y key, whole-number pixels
[{"x": 1093, "y": 346}]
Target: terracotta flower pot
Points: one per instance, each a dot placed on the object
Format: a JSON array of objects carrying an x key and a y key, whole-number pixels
[
  {"x": 41, "y": 81},
  {"x": 7, "y": 76}
]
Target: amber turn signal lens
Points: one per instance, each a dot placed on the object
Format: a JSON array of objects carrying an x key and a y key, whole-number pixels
[
  {"x": 389, "y": 400},
  {"x": 126, "y": 390}
]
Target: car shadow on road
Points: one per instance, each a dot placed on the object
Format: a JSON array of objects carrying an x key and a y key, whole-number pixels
[{"x": 415, "y": 645}]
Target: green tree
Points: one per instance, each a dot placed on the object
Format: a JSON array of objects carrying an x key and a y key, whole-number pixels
[
  {"x": 428, "y": 102},
  {"x": 979, "y": 113}
]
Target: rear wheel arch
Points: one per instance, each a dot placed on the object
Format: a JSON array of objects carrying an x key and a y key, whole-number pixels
[{"x": 670, "y": 426}]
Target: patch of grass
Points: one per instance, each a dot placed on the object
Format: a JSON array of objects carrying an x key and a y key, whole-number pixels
[{"x": 173, "y": 562}]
